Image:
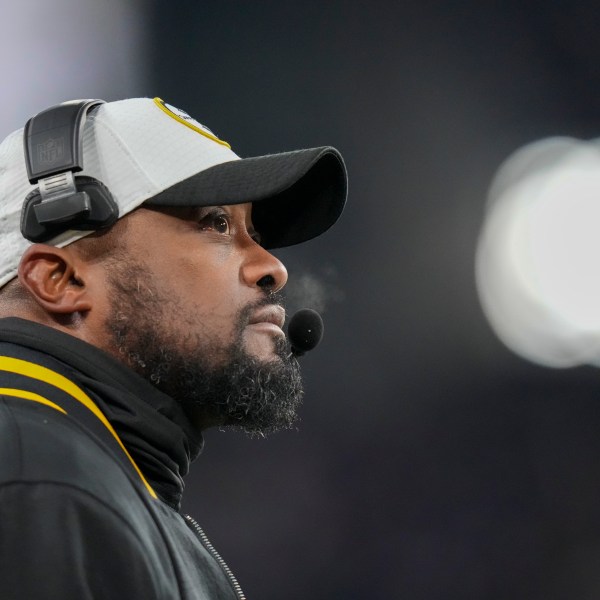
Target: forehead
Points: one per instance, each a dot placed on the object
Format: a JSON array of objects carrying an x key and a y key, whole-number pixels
[{"x": 194, "y": 213}]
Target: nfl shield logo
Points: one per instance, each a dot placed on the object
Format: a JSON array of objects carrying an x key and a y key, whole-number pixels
[{"x": 51, "y": 150}]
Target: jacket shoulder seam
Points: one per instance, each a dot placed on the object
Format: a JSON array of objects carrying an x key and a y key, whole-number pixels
[{"x": 80, "y": 491}]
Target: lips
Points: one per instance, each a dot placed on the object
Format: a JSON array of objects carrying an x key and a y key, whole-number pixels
[{"x": 272, "y": 313}]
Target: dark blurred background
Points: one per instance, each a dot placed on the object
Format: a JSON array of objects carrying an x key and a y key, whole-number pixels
[{"x": 430, "y": 462}]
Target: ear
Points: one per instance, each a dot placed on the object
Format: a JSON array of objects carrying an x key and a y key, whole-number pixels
[{"x": 52, "y": 277}]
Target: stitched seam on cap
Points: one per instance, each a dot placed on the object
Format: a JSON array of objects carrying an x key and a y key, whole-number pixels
[{"x": 124, "y": 147}]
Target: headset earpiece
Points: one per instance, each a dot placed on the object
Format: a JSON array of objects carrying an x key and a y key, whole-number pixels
[
  {"x": 53, "y": 144},
  {"x": 90, "y": 209}
]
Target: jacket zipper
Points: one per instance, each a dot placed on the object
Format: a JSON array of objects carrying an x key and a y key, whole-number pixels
[{"x": 206, "y": 543}]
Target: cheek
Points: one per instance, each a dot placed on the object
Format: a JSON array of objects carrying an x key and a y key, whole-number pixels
[
  {"x": 209, "y": 290},
  {"x": 201, "y": 276}
]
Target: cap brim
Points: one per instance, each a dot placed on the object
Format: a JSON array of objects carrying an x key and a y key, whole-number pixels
[{"x": 296, "y": 195}]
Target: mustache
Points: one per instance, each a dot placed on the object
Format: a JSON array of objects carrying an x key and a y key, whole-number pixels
[{"x": 270, "y": 298}]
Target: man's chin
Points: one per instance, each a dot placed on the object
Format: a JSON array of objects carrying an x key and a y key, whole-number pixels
[
  {"x": 258, "y": 396},
  {"x": 265, "y": 347},
  {"x": 252, "y": 383}
]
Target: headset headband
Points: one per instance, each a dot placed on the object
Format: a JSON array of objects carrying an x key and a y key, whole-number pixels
[{"x": 53, "y": 145}]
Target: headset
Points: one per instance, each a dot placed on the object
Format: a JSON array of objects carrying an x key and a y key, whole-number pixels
[{"x": 53, "y": 145}]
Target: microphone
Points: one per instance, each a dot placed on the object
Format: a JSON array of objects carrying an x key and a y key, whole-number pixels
[{"x": 305, "y": 330}]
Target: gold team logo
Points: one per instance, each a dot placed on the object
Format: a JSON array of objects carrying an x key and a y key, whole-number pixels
[{"x": 182, "y": 117}]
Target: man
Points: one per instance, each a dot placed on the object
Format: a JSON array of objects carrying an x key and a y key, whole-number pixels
[{"x": 140, "y": 305}]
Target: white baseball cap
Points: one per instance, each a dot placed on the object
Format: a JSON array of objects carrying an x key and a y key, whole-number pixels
[{"x": 146, "y": 151}]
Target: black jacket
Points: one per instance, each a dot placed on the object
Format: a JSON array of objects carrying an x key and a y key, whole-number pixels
[{"x": 91, "y": 464}]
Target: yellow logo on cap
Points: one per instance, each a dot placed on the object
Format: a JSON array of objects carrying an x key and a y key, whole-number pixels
[{"x": 185, "y": 119}]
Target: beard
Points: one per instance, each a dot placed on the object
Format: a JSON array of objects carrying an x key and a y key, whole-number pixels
[{"x": 216, "y": 384}]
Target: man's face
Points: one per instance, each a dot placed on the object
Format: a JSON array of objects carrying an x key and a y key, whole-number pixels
[{"x": 194, "y": 308}]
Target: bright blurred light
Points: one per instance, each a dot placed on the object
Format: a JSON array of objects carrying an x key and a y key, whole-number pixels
[
  {"x": 63, "y": 49},
  {"x": 538, "y": 256}
]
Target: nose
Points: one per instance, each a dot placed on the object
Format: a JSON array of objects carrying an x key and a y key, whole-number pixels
[{"x": 263, "y": 270}]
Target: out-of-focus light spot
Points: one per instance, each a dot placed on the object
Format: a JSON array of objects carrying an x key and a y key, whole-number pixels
[
  {"x": 64, "y": 49},
  {"x": 538, "y": 257}
]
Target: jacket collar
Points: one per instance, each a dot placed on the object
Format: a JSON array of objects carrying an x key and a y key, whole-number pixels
[{"x": 151, "y": 425}]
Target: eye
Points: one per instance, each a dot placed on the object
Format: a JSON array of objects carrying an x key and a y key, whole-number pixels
[{"x": 216, "y": 221}]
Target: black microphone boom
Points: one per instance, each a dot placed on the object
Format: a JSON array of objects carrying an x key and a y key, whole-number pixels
[{"x": 305, "y": 330}]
